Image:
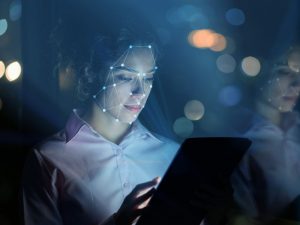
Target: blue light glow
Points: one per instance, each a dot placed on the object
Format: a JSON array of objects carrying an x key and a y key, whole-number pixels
[
  {"x": 235, "y": 17},
  {"x": 230, "y": 96},
  {"x": 15, "y": 10},
  {"x": 3, "y": 26}
]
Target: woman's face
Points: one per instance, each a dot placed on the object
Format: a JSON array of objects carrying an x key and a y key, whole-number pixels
[
  {"x": 282, "y": 91},
  {"x": 128, "y": 84}
]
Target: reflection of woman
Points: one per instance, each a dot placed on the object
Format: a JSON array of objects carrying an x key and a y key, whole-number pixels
[
  {"x": 267, "y": 181},
  {"x": 82, "y": 174}
]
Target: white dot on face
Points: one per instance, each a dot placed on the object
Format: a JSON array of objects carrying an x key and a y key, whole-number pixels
[
  {"x": 122, "y": 64},
  {"x": 150, "y": 86},
  {"x": 144, "y": 95},
  {"x": 114, "y": 85},
  {"x": 94, "y": 96},
  {"x": 111, "y": 67},
  {"x": 156, "y": 67},
  {"x": 149, "y": 46},
  {"x": 130, "y": 46},
  {"x": 130, "y": 93},
  {"x": 104, "y": 88},
  {"x": 117, "y": 120},
  {"x": 104, "y": 110},
  {"x": 139, "y": 74},
  {"x": 138, "y": 103},
  {"x": 135, "y": 115}
]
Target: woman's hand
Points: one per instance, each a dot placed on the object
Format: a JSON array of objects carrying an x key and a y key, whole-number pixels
[{"x": 135, "y": 202}]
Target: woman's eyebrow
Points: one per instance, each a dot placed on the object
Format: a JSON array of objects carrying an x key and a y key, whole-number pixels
[{"x": 128, "y": 69}]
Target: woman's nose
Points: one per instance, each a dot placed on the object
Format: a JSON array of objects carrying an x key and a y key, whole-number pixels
[{"x": 137, "y": 88}]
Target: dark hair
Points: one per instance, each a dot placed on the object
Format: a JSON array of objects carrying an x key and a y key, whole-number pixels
[{"x": 89, "y": 48}]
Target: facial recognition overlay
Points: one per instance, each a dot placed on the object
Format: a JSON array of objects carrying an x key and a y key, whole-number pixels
[
  {"x": 282, "y": 89},
  {"x": 128, "y": 84}
]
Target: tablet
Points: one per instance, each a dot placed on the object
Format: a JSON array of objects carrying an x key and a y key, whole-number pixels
[{"x": 198, "y": 162}]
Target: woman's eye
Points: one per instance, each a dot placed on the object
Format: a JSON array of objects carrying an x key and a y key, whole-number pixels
[
  {"x": 124, "y": 78},
  {"x": 149, "y": 79},
  {"x": 283, "y": 72}
]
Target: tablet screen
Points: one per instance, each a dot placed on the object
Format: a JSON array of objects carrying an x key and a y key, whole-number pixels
[{"x": 199, "y": 161}]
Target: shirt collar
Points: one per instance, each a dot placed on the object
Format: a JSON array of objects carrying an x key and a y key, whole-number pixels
[
  {"x": 138, "y": 128},
  {"x": 75, "y": 122},
  {"x": 73, "y": 125}
]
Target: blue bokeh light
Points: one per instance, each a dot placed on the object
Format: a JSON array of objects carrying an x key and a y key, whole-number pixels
[
  {"x": 3, "y": 26},
  {"x": 15, "y": 10},
  {"x": 187, "y": 14},
  {"x": 230, "y": 95},
  {"x": 235, "y": 16}
]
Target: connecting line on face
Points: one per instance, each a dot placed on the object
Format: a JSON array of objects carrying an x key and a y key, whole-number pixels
[
  {"x": 121, "y": 65},
  {"x": 120, "y": 59},
  {"x": 282, "y": 92}
]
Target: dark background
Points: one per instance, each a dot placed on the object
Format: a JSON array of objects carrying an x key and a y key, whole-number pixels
[{"x": 39, "y": 102}]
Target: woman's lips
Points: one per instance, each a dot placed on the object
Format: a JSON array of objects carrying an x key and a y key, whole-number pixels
[{"x": 133, "y": 108}]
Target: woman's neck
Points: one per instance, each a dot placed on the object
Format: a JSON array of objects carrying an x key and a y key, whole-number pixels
[
  {"x": 105, "y": 124},
  {"x": 269, "y": 112}
]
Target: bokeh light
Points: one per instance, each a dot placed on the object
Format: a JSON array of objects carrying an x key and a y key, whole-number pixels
[
  {"x": 226, "y": 63},
  {"x": 13, "y": 71},
  {"x": 199, "y": 20},
  {"x": 15, "y": 10},
  {"x": 206, "y": 38},
  {"x": 235, "y": 16},
  {"x": 294, "y": 61},
  {"x": 220, "y": 43},
  {"x": 251, "y": 66},
  {"x": 183, "y": 127},
  {"x": 2, "y": 69},
  {"x": 194, "y": 110},
  {"x": 3, "y": 26},
  {"x": 187, "y": 15},
  {"x": 230, "y": 96},
  {"x": 187, "y": 12}
]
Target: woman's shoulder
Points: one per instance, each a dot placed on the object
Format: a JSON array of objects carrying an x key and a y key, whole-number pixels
[{"x": 54, "y": 142}]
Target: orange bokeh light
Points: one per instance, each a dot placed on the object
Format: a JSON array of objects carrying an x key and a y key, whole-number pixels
[
  {"x": 207, "y": 38},
  {"x": 2, "y": 68},
  {"x": 220, "y": 44},
  {"x": 202, "y": 38}
]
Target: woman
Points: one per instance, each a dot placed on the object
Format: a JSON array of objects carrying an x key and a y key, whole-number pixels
[
  {"x": 104, "y": 156},
  {"x": 267, "y": 181}
]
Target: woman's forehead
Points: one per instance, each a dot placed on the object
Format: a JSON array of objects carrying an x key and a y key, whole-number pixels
[{"x": 137, "y": 58}]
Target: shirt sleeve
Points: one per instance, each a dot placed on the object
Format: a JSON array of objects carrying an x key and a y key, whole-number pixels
[{"x": 39, "y": 192}]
